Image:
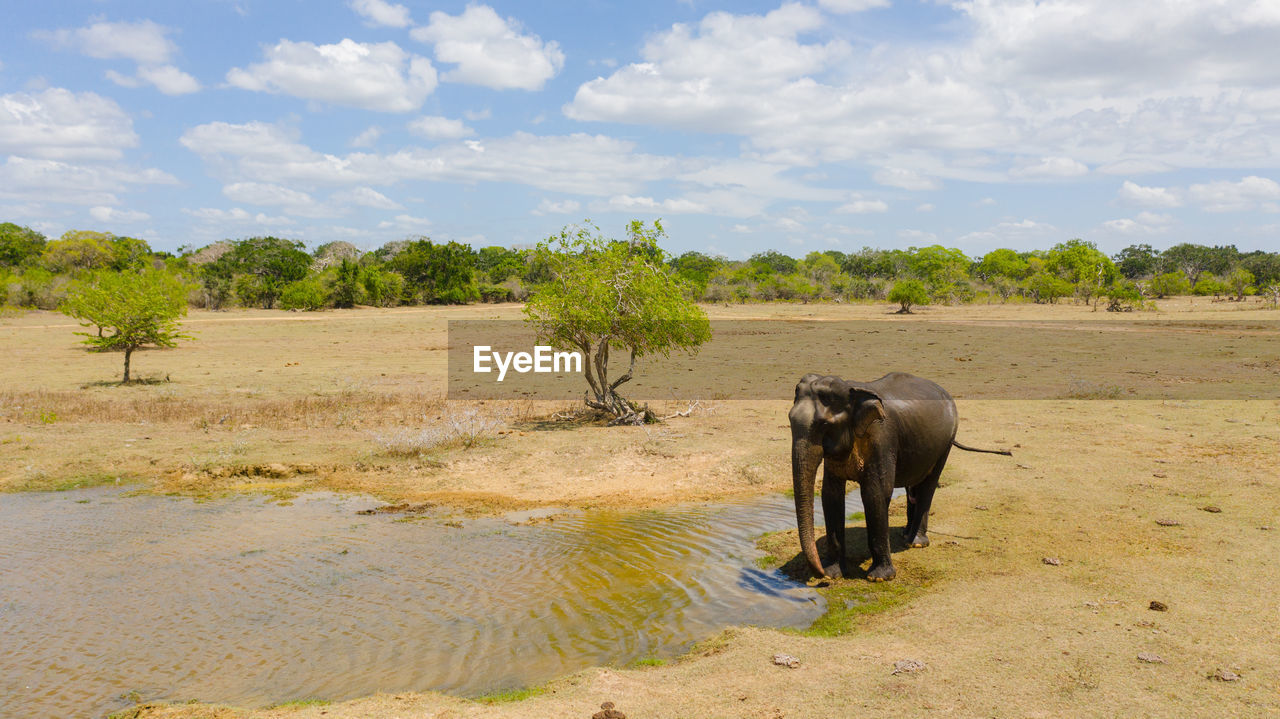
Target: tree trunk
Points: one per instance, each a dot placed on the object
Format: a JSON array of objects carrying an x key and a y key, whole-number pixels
[{"x": 128, "y": 352}]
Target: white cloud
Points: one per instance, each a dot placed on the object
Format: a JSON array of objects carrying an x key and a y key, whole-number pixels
[
  {"x": 1250, "y": 193},
  {"x": 169, "y": 79},
  {"x": 371, "y": 76},
  {"x": 367, "y": 138},
  {"x": 985, "y": 202},
  {"x": 857, "y": 205},
  {"x": 405, "y": 222},
  {"x": 917, "y": 236},
  {"x": 110, "y": 214},
  {"x": 648, "y": 205},
  {"x": 144, "y": 42},
  {"x": 848, "y": 6},
  {"x": 565, "y": 207},
  {"x": 380, "y": 12},
  {"x": 237, "y": 215},
  {"x": 579, "y": 163},
  {"x": 61, "y": 124},
  {"x": 435, "y": 127},
  {"x": 54, "y": 181},
  {"x": 925, "y": 207},
  {"x": 905, "y": 179},
  {"x": 292, "y": 201},
  {"x": 366, "y": 197},
  {"x": 1135, "y": 194},
  {"x": 1145, "y": 223},
  {"x": 490, "y": 51},
  {"x": 1050, "y": 167}
]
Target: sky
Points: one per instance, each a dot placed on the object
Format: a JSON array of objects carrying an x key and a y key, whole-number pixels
[{"x": 745, "y": 126}]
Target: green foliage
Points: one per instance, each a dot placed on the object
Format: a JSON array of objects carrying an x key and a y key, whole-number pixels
[
  {"x": 496, "y": 293},
  {"x": 19, "y": 246},
  {"x": 605, "y": 295},
  {"x": 1046, "y": 287},
  {"x": 437, "y": 274},
  {"x": 497, "y": 264},
  {"x": 130, "y": 309},
  {"x": 1239, "y": 281},
  {"x": 383, "y": 288},
  {"x": 1209, "y": 285},
  {"x": 346, "y": 288},
  {"x": 265, "y": 266},
  {"x": 1169, "y": 284},
  {"x": 1137, "y": 261},
  {"x": 772, "y": 262},
  {"x": 1002, "y": 263},
  {"x": 40, "y": 288},
  {"x": 908, "y": 293},
  {"x": 1123, "y": 296},
  {"x": 305, "y": 294}
]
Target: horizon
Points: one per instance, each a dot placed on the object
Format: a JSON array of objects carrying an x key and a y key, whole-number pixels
[{"x": 747, "y": 127}]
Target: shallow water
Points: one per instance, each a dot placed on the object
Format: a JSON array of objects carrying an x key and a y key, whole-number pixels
[{"x": 106, "y": 599}]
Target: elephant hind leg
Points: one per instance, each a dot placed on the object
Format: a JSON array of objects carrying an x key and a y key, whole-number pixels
[{"x": 919, "y": 500}]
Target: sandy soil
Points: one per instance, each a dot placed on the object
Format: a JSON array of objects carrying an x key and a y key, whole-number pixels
[{"x": 1115, "y": 491}]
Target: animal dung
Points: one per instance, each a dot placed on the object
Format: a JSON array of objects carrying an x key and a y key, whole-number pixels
[
  {"x": 608, "y": 712},
  {"x": 1225, "y": 675},
  {"x": 1052, "y": 561},
  {"x": 1168, "y": 523},
  {"x": 1211, "y": 509},
  {"x": 1157, "y": 606}
]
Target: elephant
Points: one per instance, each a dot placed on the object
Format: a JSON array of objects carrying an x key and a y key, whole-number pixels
[{"x": 895, "y": 431}]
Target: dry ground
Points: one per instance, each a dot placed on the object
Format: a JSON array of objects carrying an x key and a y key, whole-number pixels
[{"x": 1000, "y": 632}]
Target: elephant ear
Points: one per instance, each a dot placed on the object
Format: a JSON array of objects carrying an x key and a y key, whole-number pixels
[{"x": 868, "y": 409}]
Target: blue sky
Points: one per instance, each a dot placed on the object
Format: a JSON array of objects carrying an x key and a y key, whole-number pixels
[{"x": 745, "y": 126}]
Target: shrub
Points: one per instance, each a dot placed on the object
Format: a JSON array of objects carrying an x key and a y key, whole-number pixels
[
  {"x": 496, "y": 293},
  {"x": 908, "y": 293},
  {"x": 1169, "y": 283},
  {"x": 308, "y": 294}
]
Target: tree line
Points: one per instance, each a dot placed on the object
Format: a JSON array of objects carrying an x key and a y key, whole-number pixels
[{"x": 271, "y": 272}]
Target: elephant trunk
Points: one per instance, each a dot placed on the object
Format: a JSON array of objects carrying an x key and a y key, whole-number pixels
[{"x": 805, "y": 457}]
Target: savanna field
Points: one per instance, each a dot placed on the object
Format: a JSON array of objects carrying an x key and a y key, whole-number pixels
[{"x": 1033, "y": 600}]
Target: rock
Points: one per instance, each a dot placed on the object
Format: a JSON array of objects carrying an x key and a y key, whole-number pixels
[
  {"x": 907, "y": 666},
  {"x": 786, "y": 660},
  {"x": 1052, "y": 561},
  {"x": 1168, "y": 523},
  {"x": 1150, "y": 658},
  {"x": 1225, "y": 675},
  {"x": 1157, "y": 606},
  {"x": 1211, "y": 509},
  {"x": 608, "y": 712}
]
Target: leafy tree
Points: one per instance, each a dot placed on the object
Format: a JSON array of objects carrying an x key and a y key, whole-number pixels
[
  {"x": 1137, "y": 261},
  {"x": 1195, "y": 260},
  {"x": 1045, "y": 286},
  {"x": 1002, "y": 263},
  {"x": 215, "y": 282},
  {"x": 1265, "y": 266},
  {"x": 129, "y": 253},
  {"x": 1209, "y": 285},
  {"x": 908, "y": 293},
  {"x": 1084, "y": 266},
  {"x": 695, "y": 268},
  {"x": 270, "y": 263},
  {"x": 383, "y": 288},
  {"x": 19, "y": 246},
  {"x": 605, "y": 295},
  {"x": 1169, "y": 284},
  {"x": 1239, "y": 281},
  {"x": 305, "y": 294},
  {"x": 820, "y": 267},
  {"x": 437, "y": 274},
  {"x": 1123, "y": 296},
  {"x": 498, "y": 264},
  {"x": 345, "y": 291},
  {"x": 772, "y": 262},
  {"x": 130, "y": 309},
  {"x": 80, "y": 250}
]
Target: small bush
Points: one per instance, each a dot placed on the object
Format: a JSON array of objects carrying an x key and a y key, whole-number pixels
[
  {"x": 496, "y": 293},
  {"x": 908, "y": 293},
  {"x": 463, "y": 429},
  {"x": 308, "y": 294}
]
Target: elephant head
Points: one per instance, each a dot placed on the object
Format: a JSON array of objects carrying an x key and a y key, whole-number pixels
[{"x": 833, "y": 420}]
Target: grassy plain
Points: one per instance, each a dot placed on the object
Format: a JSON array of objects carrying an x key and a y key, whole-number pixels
[{"x": 1118, "y": 492}]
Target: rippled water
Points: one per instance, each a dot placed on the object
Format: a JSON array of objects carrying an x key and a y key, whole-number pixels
[{"x": 105, "y": 598}]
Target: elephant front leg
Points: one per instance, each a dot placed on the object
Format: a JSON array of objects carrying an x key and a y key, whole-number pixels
[
  {"x": 833, "y": 488},
  {"x": 875, "y": 495}
]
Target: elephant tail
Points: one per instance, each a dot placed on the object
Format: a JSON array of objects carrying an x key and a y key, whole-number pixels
[{"x": 1005, "y": 452}]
